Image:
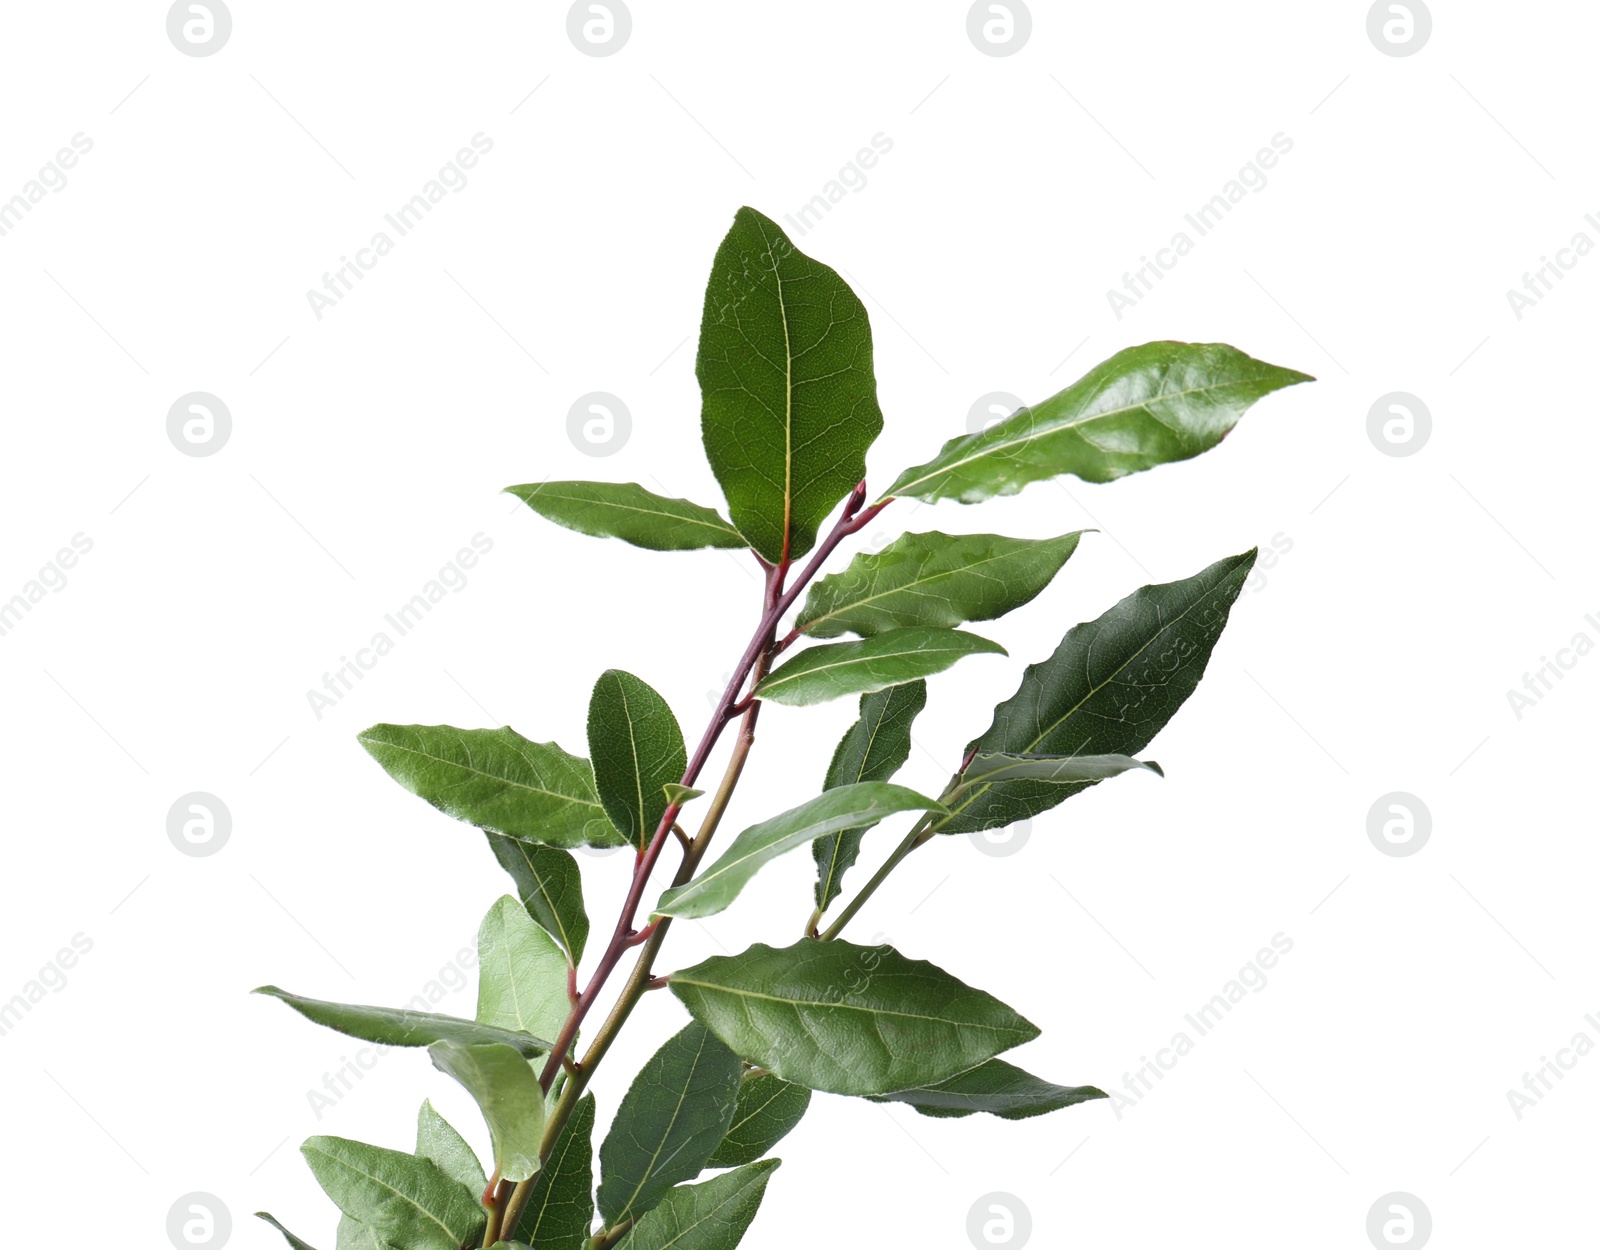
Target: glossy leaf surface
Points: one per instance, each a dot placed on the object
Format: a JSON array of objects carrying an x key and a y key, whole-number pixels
[
  {"x": 835, "y": 670},
  {"x": 629, "y": 512}
]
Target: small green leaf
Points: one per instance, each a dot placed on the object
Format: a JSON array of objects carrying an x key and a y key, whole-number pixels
[
  {"x": 1108, "y": 689},
  {"x": 933, "y": 580},
  {"x": 287, "y": 1235},
  {"x": 403, "y": 1199},
  {"x": 710, "y": 1216},
  {"x": 497, "y": 779},
  {"x": 848, "y": 807},
  {"x": 995, "y": 1087},
  {"x": 522, "y": 973},
  {"x": 631, "y": 513},
  {"x": 789, "y": 405},
  {"x": 891, "y": 659},
  {"x": 1057, "y": 770},
  {"x": 872, "y": 749},
  {"x": 438, "y": 1141},
  {"x": 767, "y": 1110},
  {"x": 1145, "y": 406},
  {"x": 847, "y": 1019},
  {"x": 678, "y": 794},
  {"x": 399, "y": 1026},
  {"x": 637, "y": 748},
  {"x": 673, "y": 1117},
  {"x": 550, "y": 887},
  {"x": 561, "y": 1206},
  {"x": 506, "y": 1090}
]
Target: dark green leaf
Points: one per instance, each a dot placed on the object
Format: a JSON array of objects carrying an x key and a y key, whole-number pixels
[
  {"x": 398, "y": 1026},
  {"x": 847, "y": 1019},
  {"x": 1145, "y": 406},
  {"x": 872, "y": 749},
  {"x": 933, "y": 580},
  {"x": 506, "y": 1090},
  {"x": 637, "y": 749},
  {"x": 789, "y": 405},
  {"x": 1108, "y": 689},
  {"x": 561, "y": 1206},
  {"x": 672, "y": 1118},
  {"x": 522, "y": 973},
  {"x": 629, "y": 512},
  {"x": 550, "y": 887},
  {"x": 848, "y": 807},
  {"x": 497, "y": 779},
  {"x": 711, "y": 1216},
  {"x": 1058, "y": 770},
  {"x": 403, "y": 1199},
  {"x": 818, "y": 674},
  {"x": 287, "y": 1235},
  {"x": 438, "y": 1141},
  {"x": 767, "y": 1109},
  {"x": 996, "y": 1087}
]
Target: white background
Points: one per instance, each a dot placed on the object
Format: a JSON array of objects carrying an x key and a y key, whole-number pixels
[{"x": 369, "y": 445}]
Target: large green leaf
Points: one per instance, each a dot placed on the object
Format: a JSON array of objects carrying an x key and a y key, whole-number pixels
[
  {"x": 872, "y": 749},
  {"x": 637, "y": 749},
  {"x": 504, "y": 1086},
  {"x": 399, "y": 1026},
  {"x": 996, "y": 1087},
  {"x": 522, "y": 973},
  {"x": 497, "y": 779},
  {"x": 437, "y": 1140},
  {"x": 818, "y": 674},
  {"x": 403, "y": 1199},
  {"x": 1108, "y": 689},
  {"x": 287, "y": 1235},
  {"x": 848, "y": 807},
  {"x": 847, "y": 1019},
  {"x": 561, "y": 1206},
  {"x": 767, "y": 1110},
  {"x": 934, "y": 580},
  {"x": 710, "y": 1216},
  {"x": 1145, "y": 406},
  {"x": 1059, "y": 770},
  {"x": 631, "y": 513},
  {"x": 789, "y": 405},
  {"x": 550, "y": 887},
  {"x": 673, "y": 1117}
]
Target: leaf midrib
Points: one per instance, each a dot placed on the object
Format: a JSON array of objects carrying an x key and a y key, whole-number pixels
[{"x": 478, "y": 772}]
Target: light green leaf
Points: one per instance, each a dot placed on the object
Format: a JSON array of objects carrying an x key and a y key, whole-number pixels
[
  {"x": 550, "y": 887},
  {"x": 673, "y": 1117},
  {"x": 506, "y": 1090},
  {"x": 678, "y": 794},
  {"x": 522, "y": 973},
  {"x": 818, "y": 674},
  {"x": 789, "y": 405},
  {"x": 847, "y": 1019},
  {"x": 497, "y": 779},
  {"x": 1058, "y": 770},
  {"x": 1108, "y": 689},
  {"x": 637, "y": 748},
  {"x": 710, "y": 1216},
  {"x": 995, "y": 1087},
  {"x": 848, "y": 807},
  {"x": 767, "y": 1110},
  {"x": 287, "y": 1235},
  {"x": 403, "y": 1199},
  {"x": 629, "y": 512},
  {"x": 935, "y": 580},
  {"x": 872, "y": 749},
  {"x": 561, "y": 1206},
  {"x": 399, "y": 1026},
  {"x": 1145, "y": 406},
  {"x": 438, "y": 1141},
  {"x": 354, "y": 1235}
]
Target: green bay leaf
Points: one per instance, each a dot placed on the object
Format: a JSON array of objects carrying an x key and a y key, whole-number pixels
[
  {"x": 637, "y": 750},
  {"x": 629, "y": 512},
  {"x": 835, "y": 670}
]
